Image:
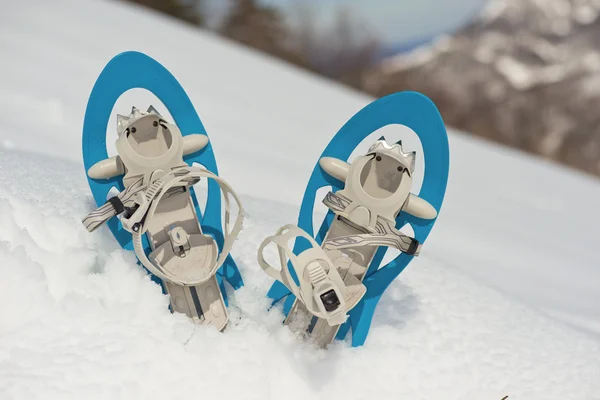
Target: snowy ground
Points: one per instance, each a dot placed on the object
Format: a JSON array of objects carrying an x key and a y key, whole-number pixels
[{"x": 503, "y": 301}]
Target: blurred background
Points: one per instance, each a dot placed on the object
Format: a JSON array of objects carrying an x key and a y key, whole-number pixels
[{"x": 524, "y": 73}]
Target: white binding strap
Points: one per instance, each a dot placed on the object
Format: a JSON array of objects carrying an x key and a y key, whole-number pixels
[
  {"x": 189, "y": 176},
  {"x": 148, "y": 201},
  {"x": 383, "y": 234},
  {"x": 319, "y": 279}
]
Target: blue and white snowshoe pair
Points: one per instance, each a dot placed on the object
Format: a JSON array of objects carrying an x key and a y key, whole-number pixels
[{"x": 331, "y": 280}]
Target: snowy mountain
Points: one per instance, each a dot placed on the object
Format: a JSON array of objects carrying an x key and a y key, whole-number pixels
[
  {"x": 502, "y": 301},
  {"x": 524, "y": 73}
]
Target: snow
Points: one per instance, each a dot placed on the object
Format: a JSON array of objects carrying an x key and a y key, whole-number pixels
[{"x": 502, "y": 301}]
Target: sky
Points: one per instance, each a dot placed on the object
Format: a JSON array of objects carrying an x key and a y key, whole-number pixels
[{"x": 396, "y": 22}]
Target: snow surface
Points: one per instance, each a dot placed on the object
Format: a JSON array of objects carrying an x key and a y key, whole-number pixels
[{"x": 503, "y": 300}]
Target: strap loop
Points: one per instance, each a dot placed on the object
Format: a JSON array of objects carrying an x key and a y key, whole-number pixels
[
  {"x": 99, "y": 216},
  {"x": 117, "y": 204}
]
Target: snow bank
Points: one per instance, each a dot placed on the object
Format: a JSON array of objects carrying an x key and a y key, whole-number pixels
[{"x": 81, "y": 320}]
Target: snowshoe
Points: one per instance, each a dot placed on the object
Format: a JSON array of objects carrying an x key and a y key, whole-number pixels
[
  {"x": 157, "y": 212},
  {"x": 331, "y": 281}
]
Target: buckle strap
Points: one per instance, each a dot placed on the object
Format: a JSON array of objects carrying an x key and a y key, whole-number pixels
[
  {"x": 384, "y": 234},
  {"x": 113, "y": 206},
  {"x": 146, "y": 200}
]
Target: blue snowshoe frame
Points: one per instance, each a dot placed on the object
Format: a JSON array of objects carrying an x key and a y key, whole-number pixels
[
  {"x": 420, "y": 114},
  {"x": 131, "y": 70}
]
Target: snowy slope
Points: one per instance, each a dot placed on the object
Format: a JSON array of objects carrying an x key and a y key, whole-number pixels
[
  {"x": 503, "y": 300},
  {"x": 82, "y": 321}
]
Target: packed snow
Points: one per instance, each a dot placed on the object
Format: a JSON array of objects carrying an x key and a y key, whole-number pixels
[{"x": 502, "y": 302}]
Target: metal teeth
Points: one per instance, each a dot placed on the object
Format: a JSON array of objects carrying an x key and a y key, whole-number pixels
[
  {"x": 395, "y": 151},
  {"x": 152, "y": 110},
  {"x": 124, "y": 121}
]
